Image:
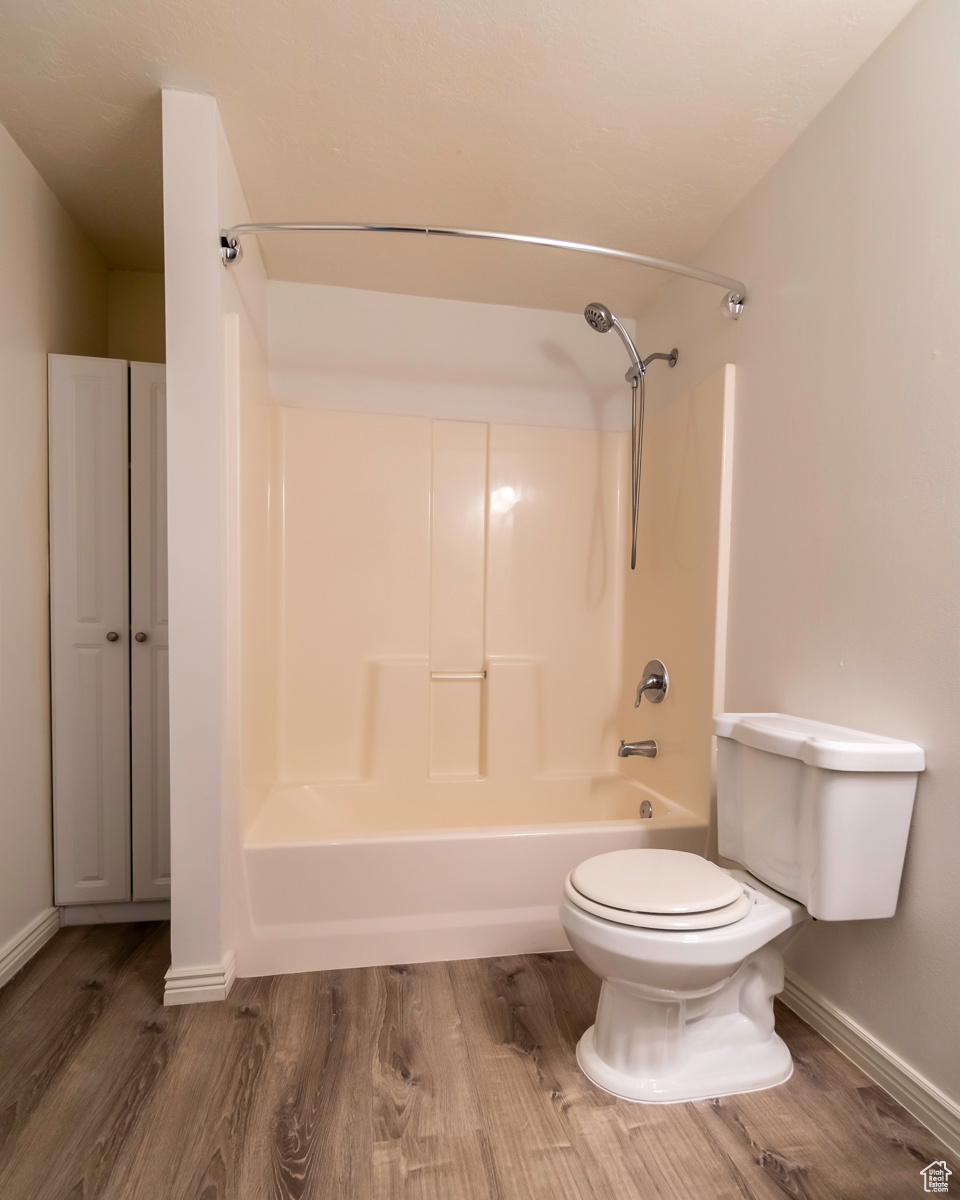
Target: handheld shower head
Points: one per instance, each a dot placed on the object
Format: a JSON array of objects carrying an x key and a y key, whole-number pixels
[{"x": 600, "y": 318}]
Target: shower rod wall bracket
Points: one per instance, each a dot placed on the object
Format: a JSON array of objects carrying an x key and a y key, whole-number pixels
[
  {"x": 732, "y": 305},
  {"x": 231, "y": 250}
]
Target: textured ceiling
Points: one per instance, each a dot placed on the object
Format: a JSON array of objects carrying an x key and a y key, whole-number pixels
[{"x": 635, "y": 123}]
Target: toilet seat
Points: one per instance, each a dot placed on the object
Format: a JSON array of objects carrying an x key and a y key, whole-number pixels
[
  {"x": 657, "y": 889},
  {"x": 677, "y": 922}
]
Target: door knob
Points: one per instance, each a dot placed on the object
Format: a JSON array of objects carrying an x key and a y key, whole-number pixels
[
  {"x": 113, "y": 637},
  {"x": 140, "y": 637}
]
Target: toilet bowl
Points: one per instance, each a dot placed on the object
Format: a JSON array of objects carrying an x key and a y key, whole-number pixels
[
  {"x": 691, "y": 954},
  {"x": 686, "y": 1011}
]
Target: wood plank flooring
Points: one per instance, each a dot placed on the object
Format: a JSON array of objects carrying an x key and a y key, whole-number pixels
[{"x": 451, "y": 1081}]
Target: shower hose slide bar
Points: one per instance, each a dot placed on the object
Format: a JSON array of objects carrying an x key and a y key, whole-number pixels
[{"x": 732, "y": 304}]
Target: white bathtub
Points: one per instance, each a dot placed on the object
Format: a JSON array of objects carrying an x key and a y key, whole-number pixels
[{"x": 353, "y": 874}]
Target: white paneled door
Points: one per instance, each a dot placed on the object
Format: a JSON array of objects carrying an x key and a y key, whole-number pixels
[
  {"x": 89, "y": 610},
  {"x": 150, "y": 736},
  {"x": 108, "y": 637}
]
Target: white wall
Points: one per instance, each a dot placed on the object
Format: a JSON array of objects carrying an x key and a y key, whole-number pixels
[
  {"x": 53, "y": 299},
  {"x": 357, "y": 351},
  {"x": 845, "y": 577},
  {"x": 216, "y": 363},
  {"x": 250, "y": 542},
  {"x": 195, "y": 518}
]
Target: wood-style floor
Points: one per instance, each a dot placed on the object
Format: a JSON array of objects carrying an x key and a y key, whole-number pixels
[{"x": 447, "y": 1080}]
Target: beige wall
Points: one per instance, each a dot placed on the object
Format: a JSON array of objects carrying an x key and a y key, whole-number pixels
[
  {"x": 135, "y": 316},
  {"x": 845, "y": 571},
  {"x": 53, "y": 299}
]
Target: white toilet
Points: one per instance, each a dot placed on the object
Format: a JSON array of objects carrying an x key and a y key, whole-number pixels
[{"x": 691, "y": 954}]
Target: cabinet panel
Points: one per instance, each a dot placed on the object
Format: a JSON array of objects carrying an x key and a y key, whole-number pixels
[
  {"x": 89, "y": 589},
  {"x": 150, "y": 734}
]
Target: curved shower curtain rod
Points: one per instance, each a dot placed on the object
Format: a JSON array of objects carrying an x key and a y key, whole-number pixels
[{"x": 231, "y": 251}]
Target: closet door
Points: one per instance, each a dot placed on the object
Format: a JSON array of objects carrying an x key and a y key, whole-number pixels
[
  {"x": 150, "y": 726},
  {"x": 89, "y": 612}
]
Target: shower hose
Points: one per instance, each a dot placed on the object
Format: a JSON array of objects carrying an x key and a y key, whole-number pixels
[{"x": 636, "y": 456}]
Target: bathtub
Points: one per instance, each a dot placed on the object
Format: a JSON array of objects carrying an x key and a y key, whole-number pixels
[{"x": 356, "y": 873}]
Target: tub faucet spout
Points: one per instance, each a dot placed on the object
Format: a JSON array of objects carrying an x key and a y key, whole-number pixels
[{"x": 646, "y": 749}]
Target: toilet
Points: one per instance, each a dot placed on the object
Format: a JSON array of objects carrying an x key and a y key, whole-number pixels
[{"x": 690, "y": 953}]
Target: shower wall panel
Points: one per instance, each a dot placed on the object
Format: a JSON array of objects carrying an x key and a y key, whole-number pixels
[
  {"x": 554, "y": 585},
  {"x": 355, "y": 588},
  {"x": 457, "y": 545},
  {"x": 676, "y": 599},
  {"x": 258, "y": 604},
  {"x": 450, "y": 599},
  {"x": 458, "y": 535}
]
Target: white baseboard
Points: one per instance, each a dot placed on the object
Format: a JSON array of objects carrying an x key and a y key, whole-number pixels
[
  {"x": 24, "y": 945},
  {"x": 196, "y": 985},
  {"x": 110, "y": 914},
  {"x": 931, "y": 1107}
]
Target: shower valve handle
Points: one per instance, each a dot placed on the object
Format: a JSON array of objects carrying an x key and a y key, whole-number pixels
[{"x": 654, "y": 683}]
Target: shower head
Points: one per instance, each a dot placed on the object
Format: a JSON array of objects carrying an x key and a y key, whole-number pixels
[{"x": 600, "y": 318}]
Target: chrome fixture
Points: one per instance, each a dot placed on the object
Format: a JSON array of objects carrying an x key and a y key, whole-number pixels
[
  {"x": 231, "y": 251},
  {"x": 646, "y": 810},
  {"x": 600, "y": 318},
  {"x": 646, "y": 749},
  {"x": 654, "y": 683}
]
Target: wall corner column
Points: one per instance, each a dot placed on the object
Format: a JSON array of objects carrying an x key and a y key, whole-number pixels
[{"x": 201, "y": 961}]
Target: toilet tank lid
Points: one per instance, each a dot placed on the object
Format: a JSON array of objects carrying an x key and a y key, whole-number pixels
[{"x": 832, "y": 747}]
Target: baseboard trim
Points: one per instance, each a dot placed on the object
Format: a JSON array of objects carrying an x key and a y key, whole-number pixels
[
  {"x": 25, "y": 944},
  {"x": 922, "y": 1099},
  {"x": 111, "y": 914},
  {"x": 198, "y": 985}
]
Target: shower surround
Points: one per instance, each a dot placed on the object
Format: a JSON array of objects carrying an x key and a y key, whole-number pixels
[
  {"x": 433, "y": 619},
  {"x": 369, "y": 493}
]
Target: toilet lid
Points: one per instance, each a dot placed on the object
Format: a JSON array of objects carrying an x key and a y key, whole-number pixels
[
  {"x": 655, "y": 881},
  {"x": 727, "y": 914}
]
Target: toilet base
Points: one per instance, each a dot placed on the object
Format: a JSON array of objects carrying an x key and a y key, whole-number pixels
[
  {"x": 719, "y": 1072},
  {"x": 650, "y": 1045}
]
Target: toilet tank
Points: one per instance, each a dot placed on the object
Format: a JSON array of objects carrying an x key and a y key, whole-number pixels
[{"x": 819, "y": 812}]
